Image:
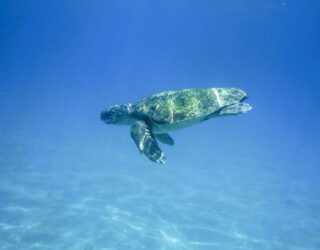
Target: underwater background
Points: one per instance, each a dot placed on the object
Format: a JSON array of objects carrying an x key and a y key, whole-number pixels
[{"x": 68, "y": 181}]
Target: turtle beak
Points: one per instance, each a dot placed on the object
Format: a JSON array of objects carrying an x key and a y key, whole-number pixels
[{"x": 105, "y": 116}]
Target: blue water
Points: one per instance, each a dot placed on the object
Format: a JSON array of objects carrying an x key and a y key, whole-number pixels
[{"x": 68, "y": 181}]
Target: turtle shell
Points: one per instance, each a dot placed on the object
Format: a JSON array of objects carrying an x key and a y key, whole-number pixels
[{"x": 186, "y": 107}]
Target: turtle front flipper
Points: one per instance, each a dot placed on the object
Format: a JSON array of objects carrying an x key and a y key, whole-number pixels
[
  {"x": 165, "y": 138},
  {"x": 146, "y": 143}
]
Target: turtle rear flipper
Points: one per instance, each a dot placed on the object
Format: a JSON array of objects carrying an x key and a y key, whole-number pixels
[
  {"x": 145, "y": 142},
  {"x": 234, "y": 109}
]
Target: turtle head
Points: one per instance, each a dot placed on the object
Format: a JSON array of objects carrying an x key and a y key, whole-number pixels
[{"x": 117, "y": 114}]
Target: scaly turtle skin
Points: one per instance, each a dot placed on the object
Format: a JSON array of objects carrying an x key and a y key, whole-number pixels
[{"x": 152, "y": 117}]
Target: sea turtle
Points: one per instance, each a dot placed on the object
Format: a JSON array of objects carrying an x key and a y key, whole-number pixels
[{"x": 153, "y": 117}]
